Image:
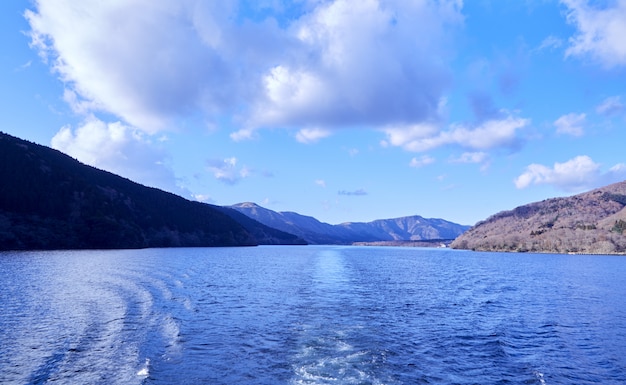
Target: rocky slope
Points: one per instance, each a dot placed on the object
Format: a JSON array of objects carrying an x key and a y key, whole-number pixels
[
  {"x": 593, "y": 222},
  {"x": 411, "y": 228}
]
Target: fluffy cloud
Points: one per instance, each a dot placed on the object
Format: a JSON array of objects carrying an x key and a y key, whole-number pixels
[
  {"x": 141, "y": 60},
  {"x": 577, "y": 174},
  {"x": 489, "y": 134},
  {"x": 362, "y": 63},
  {"x": 227, "y": 170},
  {"x": 311, "y": 135},
  {"x": 150, "y": 62},
  {"x": 611, "y": 106},
  {"x": 571, "y": 124},
  {"x": 601, "y": 31},
  {"x": 119, "y": 149},
  {"x": 335, "y": 64}
]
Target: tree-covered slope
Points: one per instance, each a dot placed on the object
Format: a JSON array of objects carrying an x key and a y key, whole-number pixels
[
  {"x": 49, "y": 200},
  {"x": 592, "y": 222}
]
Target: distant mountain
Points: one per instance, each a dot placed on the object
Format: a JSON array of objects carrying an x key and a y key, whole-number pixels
[
  {"x": 413, "y": 228},
  {"x": 313, "y": 231},
  {"x": 49, "y": 200},
  {"x": 593, "y": 222}
]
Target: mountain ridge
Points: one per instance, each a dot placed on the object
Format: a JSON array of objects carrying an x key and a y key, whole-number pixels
[
  {"x": 592, "y": 222},
  {"x": 408, "y": 228}
]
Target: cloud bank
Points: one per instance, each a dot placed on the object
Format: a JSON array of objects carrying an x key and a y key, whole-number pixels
[{"x": 336, "y": 64}]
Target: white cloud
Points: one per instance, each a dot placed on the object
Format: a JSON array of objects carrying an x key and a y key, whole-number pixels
[
  {"x": 471, "y": 157},
  {"x": 611, "y": 106},
  {"x": 571, "y": 124},
  {"x": 119, "y": 149},
  {"x": 338, "y": 63},
  {"x": 311, "y": 135},
  {"x": 422, "y": 161},
  {"x": 577, "y": 174},
  {"x": 203, "y": 198},
  {"x": 409, "y": 136},
  {"x": 227, "y": 170},
  {"x": 489, "y": 134},
  {"x": 600, "y": 31},
  {"x": 243, "y": 134}
]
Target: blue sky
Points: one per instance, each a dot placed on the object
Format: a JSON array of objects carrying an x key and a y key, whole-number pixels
[{"x": 341, "y": 110}]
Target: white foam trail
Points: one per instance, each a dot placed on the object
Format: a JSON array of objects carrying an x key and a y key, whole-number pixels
[
  {"x": 145, "y": 370},
  {"x": 539, "y": 376}
]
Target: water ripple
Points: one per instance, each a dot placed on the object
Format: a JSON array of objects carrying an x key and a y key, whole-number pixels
[{"x": 311, "y": 315}]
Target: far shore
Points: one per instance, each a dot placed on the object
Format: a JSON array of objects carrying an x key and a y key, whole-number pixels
[{"x": 440, "y": 243}]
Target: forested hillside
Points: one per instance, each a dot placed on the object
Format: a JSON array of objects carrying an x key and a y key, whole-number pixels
[
  {"x": 592, "y": 222},
  {"x": 49, "y": 200}
]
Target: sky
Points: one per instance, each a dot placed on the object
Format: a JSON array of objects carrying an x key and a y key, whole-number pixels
[{"x": 347, "y": 111}]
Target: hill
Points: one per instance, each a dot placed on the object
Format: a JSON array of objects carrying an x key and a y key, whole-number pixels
[
  {"x": 49, "y": 200},
  {"x": 591, "y": 222},
  {"x": 411, "y": 228}
]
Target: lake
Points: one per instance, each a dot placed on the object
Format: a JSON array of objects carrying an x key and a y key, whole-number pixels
[{"x": 311, "y": 315}]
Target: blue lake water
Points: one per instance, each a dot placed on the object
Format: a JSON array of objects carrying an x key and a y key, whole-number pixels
[{"x": 311, "y": 315}]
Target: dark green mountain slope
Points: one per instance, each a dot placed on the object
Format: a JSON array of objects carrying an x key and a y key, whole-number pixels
[{"x": 49, "y": 200}]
